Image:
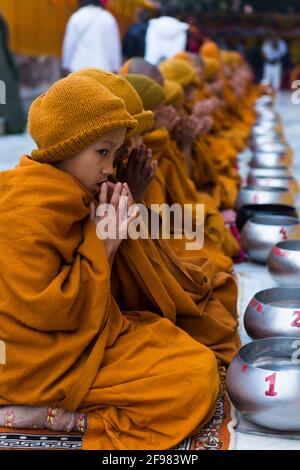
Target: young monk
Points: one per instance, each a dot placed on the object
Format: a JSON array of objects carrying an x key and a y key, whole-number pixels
[
  {"x": 144, "y": 382},
  {"x": 155, "y": 260}
]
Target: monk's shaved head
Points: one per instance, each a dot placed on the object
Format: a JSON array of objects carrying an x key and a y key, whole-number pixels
[{"x": 140, "y": 66}]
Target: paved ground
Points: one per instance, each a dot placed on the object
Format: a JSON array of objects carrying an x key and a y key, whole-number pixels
[{"x": 12, "y": 147}]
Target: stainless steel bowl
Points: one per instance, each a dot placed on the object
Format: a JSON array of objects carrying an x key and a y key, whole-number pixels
[
  {"x": 265, "y": 114},
  {"x": 277, "y": 147},
  {"x": 270, "y": 160},
  {"x": 286, "y": 182},
  {"x": 263, "y": 383},
  {"x": 261, "y": 233},
  {"x": 276, "y": 172},
  {"x": 284, "y": 263},
  {"x": 263, "y": 130},
  {"x": 260, "y": 195},
  {"x": 259, "y": 142},
  {"x": 274, "y": 312},
  {"x": 264, "y": 100}
]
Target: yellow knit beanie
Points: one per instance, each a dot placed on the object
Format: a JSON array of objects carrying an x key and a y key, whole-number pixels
[
  {"x": 173, "y": 92},
  {"x": 211, "y": 68},
  {"x": 211, "y": 50},
  {"x": 72, "y": 114},
  {"x": 151, "y": 94},
  {"x": 231, "y": 58},
  {"x": 120, "y": 87},
  {"x": 179, "y": 71},
  {"x": 183, "y": 55}
]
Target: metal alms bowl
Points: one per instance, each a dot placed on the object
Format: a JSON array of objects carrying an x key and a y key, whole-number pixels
[
  {"x": 260, "y": 142},
  {"x": 264, "y": 129},
  {"x": 274, "y": 312},
  {"x": 262, "y": 195},
  {"x": 276, "y": 147},
  {"x": 264, "y": 101},
  {"x": 284, "y": 263},
  {"x": 261, "y": 233},
  {"x": 286, "y": 182},
  {"x": 270, "y": 160},
  {"x": 251, "y": 210},
  {"x": 263, "y": 383},
  {"x": 275, "y": 172}
]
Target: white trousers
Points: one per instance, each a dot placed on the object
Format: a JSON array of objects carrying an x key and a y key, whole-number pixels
[{"x": 273, "y": 75}]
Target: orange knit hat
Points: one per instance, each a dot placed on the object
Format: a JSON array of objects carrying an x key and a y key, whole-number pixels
[
  {"x": 72, "y": 114},
  {"x": 179, "y": 71},
  {"x": 210, "y": 50},
  {"x": 120, "y": 87}
]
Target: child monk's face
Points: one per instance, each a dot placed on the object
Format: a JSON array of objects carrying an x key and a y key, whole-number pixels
[{"x": 95, "y": 164}]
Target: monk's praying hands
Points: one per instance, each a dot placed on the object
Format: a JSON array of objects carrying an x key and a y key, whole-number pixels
[
  {"x": 138, "y": 172},
  {"x": 113, "y": 215}
]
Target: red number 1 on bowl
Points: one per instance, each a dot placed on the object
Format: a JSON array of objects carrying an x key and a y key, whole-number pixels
[{"x": 272, "y": 379}]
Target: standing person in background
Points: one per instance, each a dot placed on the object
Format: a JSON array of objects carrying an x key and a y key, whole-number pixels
[
  {"x": 92, "y": 39},
  {"x": 11, "y": 108},
  {"x": 134, "y": 40},
  {"x": 256, "y": 60},
  {"x": 166, "y": 36},
  {"x": 274, "y": 50}
]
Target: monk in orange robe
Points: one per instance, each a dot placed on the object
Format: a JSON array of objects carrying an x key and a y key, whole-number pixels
[
  {"x": 229, "y": 179},
  {"x": 68, "y": 342},
  {"x": 172, "y": 184}
]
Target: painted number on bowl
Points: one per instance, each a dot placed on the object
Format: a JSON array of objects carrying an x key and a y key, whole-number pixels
[
  {"x": 279, "y": 252},
  {"x": 257, "y": 305},
  {"x": 296, "y": 322},
  {"x": 271, "y": 391},
  {"x": 284, "y": 234}
]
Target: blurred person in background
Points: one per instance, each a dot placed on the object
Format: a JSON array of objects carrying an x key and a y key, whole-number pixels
[
  {"x": 12, "y": 116},
  {"x": 134, "y": 40},
  {"x": 166, "y": 36},
  {"x": 195, "y": 35},
  {"x": 274, "y": 51},
  {"x": 92, "y": 39},
  {"x": 256, "y": 59}
]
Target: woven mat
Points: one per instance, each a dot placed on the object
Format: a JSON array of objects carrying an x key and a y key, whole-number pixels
[{"x": 218, "y": 434}]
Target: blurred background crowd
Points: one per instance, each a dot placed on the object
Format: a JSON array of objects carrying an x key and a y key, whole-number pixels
[{"x": 42, "y": 40}]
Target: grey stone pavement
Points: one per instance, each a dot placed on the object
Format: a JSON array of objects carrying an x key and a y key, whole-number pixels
[{"x": 248, "y": 436}]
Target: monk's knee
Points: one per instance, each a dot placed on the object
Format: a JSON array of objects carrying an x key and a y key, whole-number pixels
[{"x": 208, "y": 372}]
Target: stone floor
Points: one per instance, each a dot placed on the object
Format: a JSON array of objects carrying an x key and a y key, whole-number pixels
[{"x": 247, "y": 436}]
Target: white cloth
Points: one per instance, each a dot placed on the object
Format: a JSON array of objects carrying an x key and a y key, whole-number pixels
[
  {"x": 273, "y": 75},
  {"x": 273, "y": 66},
  {"x": 165, "y": 37},
  {"x": 92, "y": 39},
  {"x": 274, "y": 53}
]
